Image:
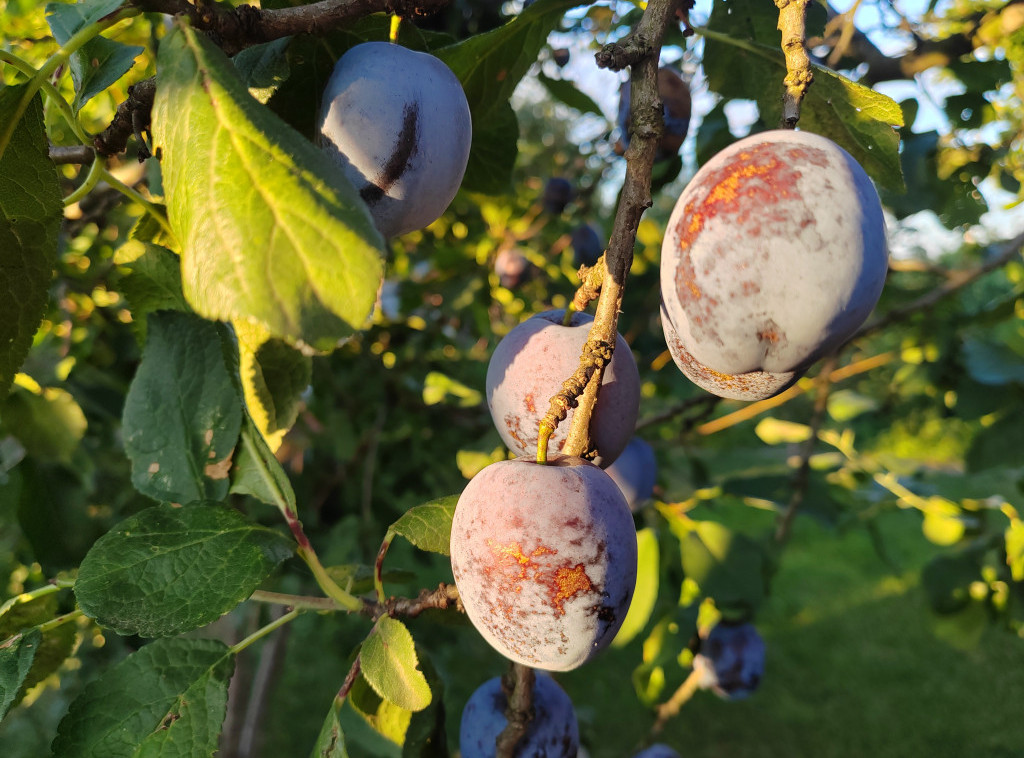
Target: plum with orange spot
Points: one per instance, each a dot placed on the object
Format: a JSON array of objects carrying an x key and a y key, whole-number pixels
[
  {"x": 528, "y": 367},
  {"x": 544, "y": 557},
  {"x": 774, "y": 256},
  {"x": 553, "y": 732}
]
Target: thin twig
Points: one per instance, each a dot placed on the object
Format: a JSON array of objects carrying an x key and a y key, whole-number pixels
[
  {"x": 670, "y": 708},
  {"x": 641, "y": 49},
  {"x": 518, "y": 686},
  {"x": 81, "y": 154},
  {"x": 444, "y": 597},
  {"x": 802, "y": 477}
]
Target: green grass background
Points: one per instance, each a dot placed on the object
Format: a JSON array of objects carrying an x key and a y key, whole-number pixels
[{"x": 857, "y": 667}]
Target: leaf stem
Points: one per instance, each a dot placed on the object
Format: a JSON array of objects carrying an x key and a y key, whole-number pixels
[
  {"x": 303, "y": 602},
  {"x": 96, "y": 170},
  {"x": 378, "y": 565},
  {"x": 265, "y": 630},
  {"x": 670, "y": 708},
  {"x": 138, "y": 197},
  {"x": 59, "y": 620},
  {"x": 26, "y": 597},
  {"x": 55, "y": 61}
]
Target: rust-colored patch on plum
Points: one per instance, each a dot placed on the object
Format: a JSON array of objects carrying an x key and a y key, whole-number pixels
[
  {"x": 567, "y": 583},
  {"x": 531, "y": 406},
  {"x": 756, "y": 180}
]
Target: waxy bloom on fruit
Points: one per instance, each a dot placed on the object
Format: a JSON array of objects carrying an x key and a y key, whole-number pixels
[
  {"x": 398, "y": 123},
  {"x": 731, "y": 660},
  {"x": 545, "y": 557},
  {"x": 552, "y": 733},
  {"x": 528, "y": 367},
  {"x": 774, "y": 255}
]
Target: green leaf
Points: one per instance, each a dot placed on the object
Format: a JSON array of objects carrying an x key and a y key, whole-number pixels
[
  {"x": 101, "y": 61},
  {"x": 274, "y": 376},
  {"x": 17, "y": 655},
  {"x": 646, "y": 594},
  {"x": 429, "y": 526},
  {"x": 1014, "y": 537},
  {"x": 438, "y": 387},
  {"x": 387, "y": 719},
  {"x": 726, "y": 565},
  {"x": 997, "y": 445},
  {"x": 389, "y": 663},
  {"x": 258, "y": 473},
  {"x": 492, "y": 155},
  {"x": 743, "y": 59},
  {"x": 167, "y": 699},
  {"x": 167, "y": 570},
  {"x": 490, "y": 65},
  {"x": 30, "y": 216},
  {"x": 331, "y": 741},
  {"x": 182, "y": 414},
  {"x": 271, "y": 233},
  {"x": 48, "y": 422},
  {"x": 992, "y": 364},
  {"x": 773, "y": 431},
  {"x": 57, "y": 643},
  {"x": 150, "y": 279},
  {"x": 264, "y": 68},
  {"x": 566, "y": 92}
]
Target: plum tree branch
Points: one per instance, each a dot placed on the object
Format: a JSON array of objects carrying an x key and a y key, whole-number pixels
[
  {"x": 641, "y": 49},
  {"x": 517, "y": 684},
  {"x": 235, "y": 28},
  {"x": 799, "y": 75}
]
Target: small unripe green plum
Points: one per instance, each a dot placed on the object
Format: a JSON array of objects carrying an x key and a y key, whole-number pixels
[
  {"x": 545, "y": 558},
  {"x": 398, "y": 123}
]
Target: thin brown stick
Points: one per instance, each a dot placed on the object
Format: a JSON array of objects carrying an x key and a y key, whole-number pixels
[
  {"x": 640, "y": 49},
  {"x": 518, "y": 686},
  {"x": 237, "y": 28},
  {"x": 670, "y": 708},
  {"x": 82, "y": 154},
  {"x": 445, "y": 597},
  {"x": 802, "y": 477}
]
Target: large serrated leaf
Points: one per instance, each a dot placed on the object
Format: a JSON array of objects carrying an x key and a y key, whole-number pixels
[
  {"x": 389, "y": 663},
  {"x": 30, "y": 215},
  {"x": 492, "y": 155},
  {"x": 100, "y": 62},
  {"x": 150, "y": 278},
  {"x": 182, "y": 414},
  {"x": 429, "y": 526},
  {"x": 274, "y": 375},
  {"x": 17, "y": 654},
  {"x": 270, "y": 232},
  {"x": 566, "y": 92},
  {"x": 167, "y": 570},
  {"x": 168, "y": 699}
]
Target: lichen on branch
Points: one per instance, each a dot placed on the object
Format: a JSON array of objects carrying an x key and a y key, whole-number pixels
[{"x": 799, "y": 75}]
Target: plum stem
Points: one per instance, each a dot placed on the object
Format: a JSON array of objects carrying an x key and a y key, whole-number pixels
[
  {"x": 671, "y": 707},
  {"x": 517, "y": 684},
  {"x": 799, "y": 74}
]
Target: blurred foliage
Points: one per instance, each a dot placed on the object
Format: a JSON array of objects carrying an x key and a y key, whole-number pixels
[{"x": 923, "y": 420}]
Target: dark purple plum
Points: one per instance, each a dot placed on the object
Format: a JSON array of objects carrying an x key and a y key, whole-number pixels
[
  {"x": 553, "y": 732},
  {"x": 512, "y": 267},
  {"x": 659, "y": 750},
  {"x": 558, "y": 193},
  {"x": 545, "y": 558},
  {"x": 636, "y": 472},
  {"x": 774, "y": 255},
  {"x": 731, "y": 660},
  {"x": 587, "y": 245},
  {"x": 397, "y": 122},
  {"x": 528, "y": 367},
  {"x": 675, "y": 97}
]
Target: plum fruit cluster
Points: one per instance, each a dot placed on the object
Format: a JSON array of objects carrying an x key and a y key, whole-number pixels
[
  {"x": 544, "y": 557},
  {"x": 774, "y": 255},
  {"x": 731, "y": 660},
  {"x": 398, "y": 123},
  {"x": 528, "y": 367},
  {"x": 553, "y": 732}
]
